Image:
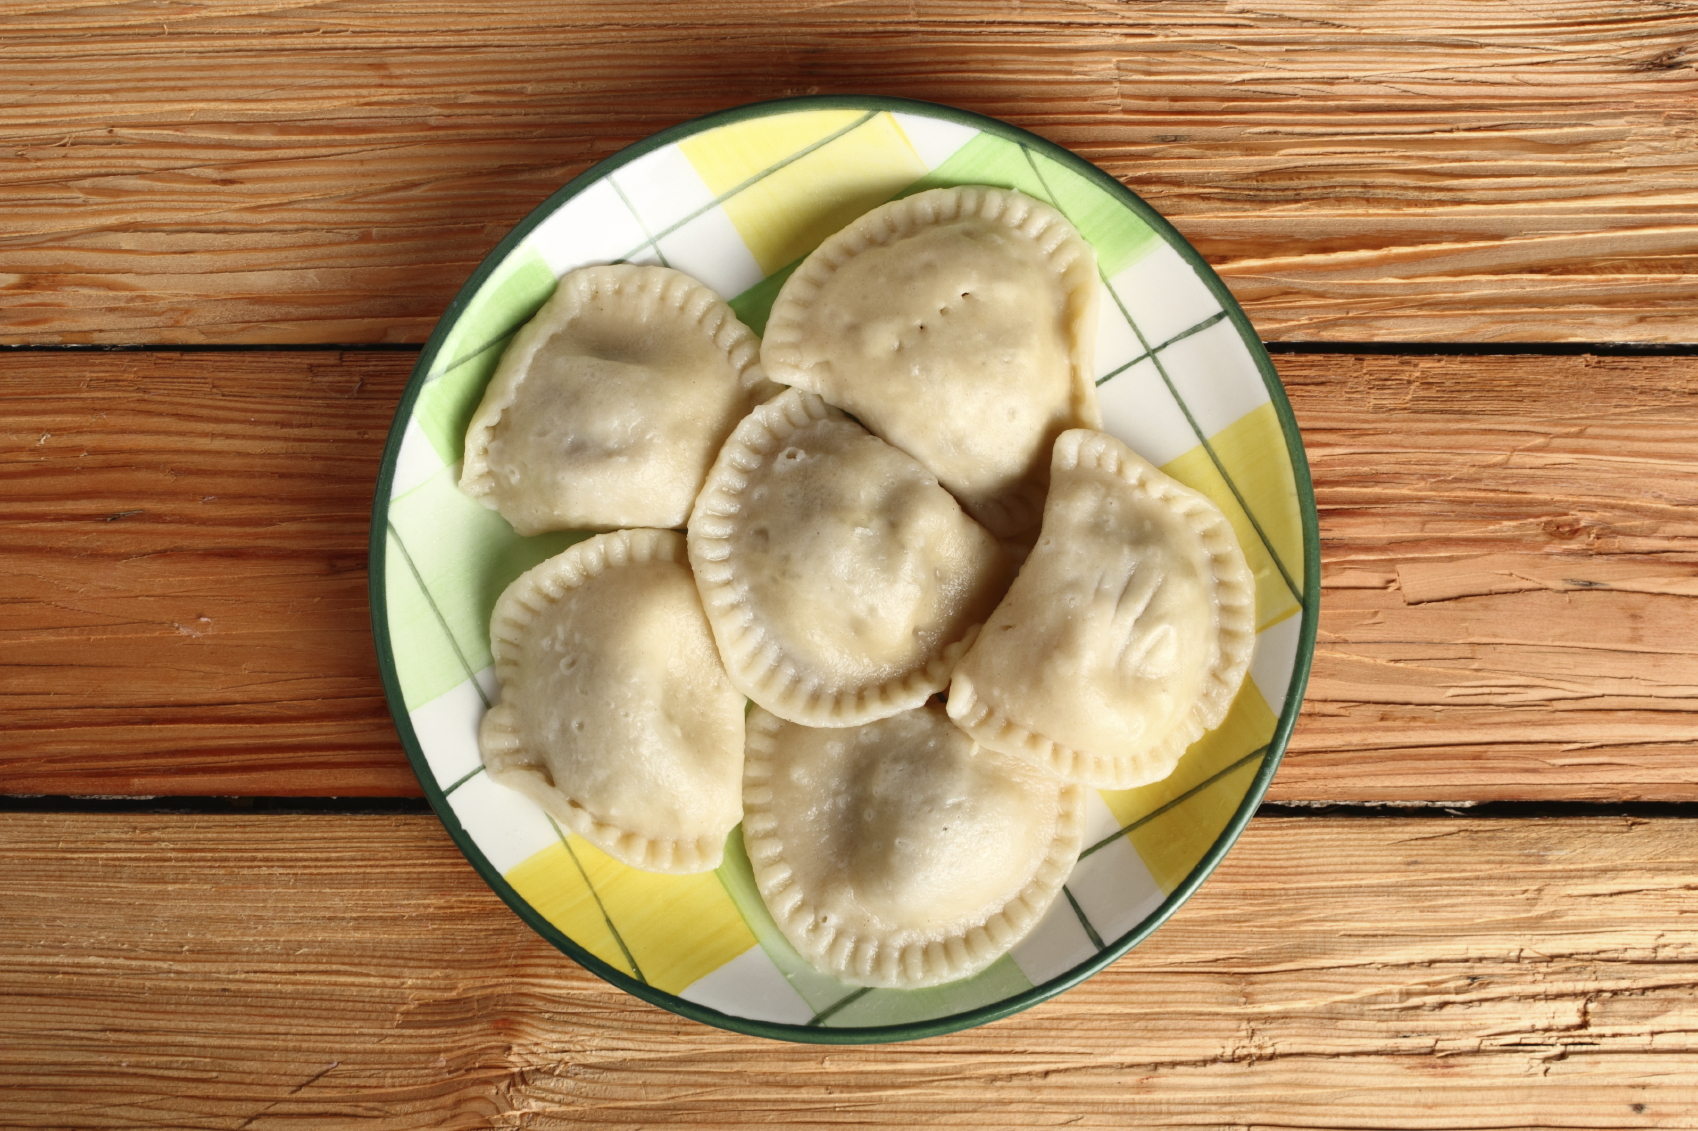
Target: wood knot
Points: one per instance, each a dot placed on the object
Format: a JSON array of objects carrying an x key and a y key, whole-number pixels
[{"x": 1667, "y": 61}]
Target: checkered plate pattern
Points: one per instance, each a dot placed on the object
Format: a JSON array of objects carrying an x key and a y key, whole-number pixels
[{"x": 737, "y": 200}]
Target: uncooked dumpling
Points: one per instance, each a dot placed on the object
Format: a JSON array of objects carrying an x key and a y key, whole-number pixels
[
  {"x": 898, "y": 853},
  {"x": 1126, "y": 634},
  {"x": 609, "y": 406},
  {"x": 959, "y": 325},
  {"x": 615, "y": 714},
  {"x": 841, "y": 581}
]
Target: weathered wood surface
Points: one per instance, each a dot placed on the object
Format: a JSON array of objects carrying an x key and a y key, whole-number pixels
[
  {"x": 226, "y": 972},
  {"x": 272, "y": 173},
  {"x": 1510, "y": 574},
  {"x": 1510, "y": 559},
  {"x": 1510, "y": 578},
  {"x": 183, "y": 570}
]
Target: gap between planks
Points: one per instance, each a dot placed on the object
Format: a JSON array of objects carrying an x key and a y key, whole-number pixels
[{"x": 186, "y": 806}]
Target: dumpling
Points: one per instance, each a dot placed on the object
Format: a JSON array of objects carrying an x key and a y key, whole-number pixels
[
  {"x": 959, "y": 325},
  {"x": 1126, "y": 634},
  {"x": 840, "y": 580},
  {"x": 898, "y": 853},
  {"x": 615, "y": 714},
  {"x": 609, "y": 406}
]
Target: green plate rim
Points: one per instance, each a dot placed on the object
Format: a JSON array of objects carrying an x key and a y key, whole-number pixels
[{"x": 378, "y": 561}]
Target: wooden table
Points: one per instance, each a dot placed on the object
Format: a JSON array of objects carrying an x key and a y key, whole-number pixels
[{"x": 1468, "y": 230}]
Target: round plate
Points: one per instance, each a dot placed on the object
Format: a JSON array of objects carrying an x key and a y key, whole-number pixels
[{"x": 736, "y": 199}]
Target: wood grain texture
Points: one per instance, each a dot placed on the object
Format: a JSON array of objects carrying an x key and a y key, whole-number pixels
[
  {"x": 182, "y": 573},
  {"x": 267, "y": 172},
  {"x": 1510, "y": 578},
  {"x": 230, "y": 972},
  {"x": 1510, "y": 573}
]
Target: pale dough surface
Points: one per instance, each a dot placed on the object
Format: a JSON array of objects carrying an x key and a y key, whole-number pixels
[
  {"x": 898, "y": 853},
  {"x": 1126, "y": 634},
  {"x": 608, "y": 407},
  {"x": 840, "y": 579},
  {"x": 958, "y": 324},
  {"x": 615, "y": 713}
]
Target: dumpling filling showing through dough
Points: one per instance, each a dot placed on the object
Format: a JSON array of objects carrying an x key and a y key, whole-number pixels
[
  {"x": 841, "y": 581},
  {"x": 615, "y": 713},
  {"x": 959, "y": 325},
  {"x": 899, "y": 854},
  {"x": 1126, "y": 634},
  {"x": 609, "y": 406}
]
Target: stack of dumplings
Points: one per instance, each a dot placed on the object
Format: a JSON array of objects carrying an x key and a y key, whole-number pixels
[{"x": 955, "y": 603}]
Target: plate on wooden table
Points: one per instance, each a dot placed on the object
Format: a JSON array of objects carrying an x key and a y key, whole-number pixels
[{"x": 736, "y": 199}]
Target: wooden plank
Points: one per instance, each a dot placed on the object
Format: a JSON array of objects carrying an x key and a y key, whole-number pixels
[
  {"x": 184, "y": 569},
  {"x": 1509, "y": 575},
  {"x": 223, "y": 972},
  {"x": 1434, "y": 170}
]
